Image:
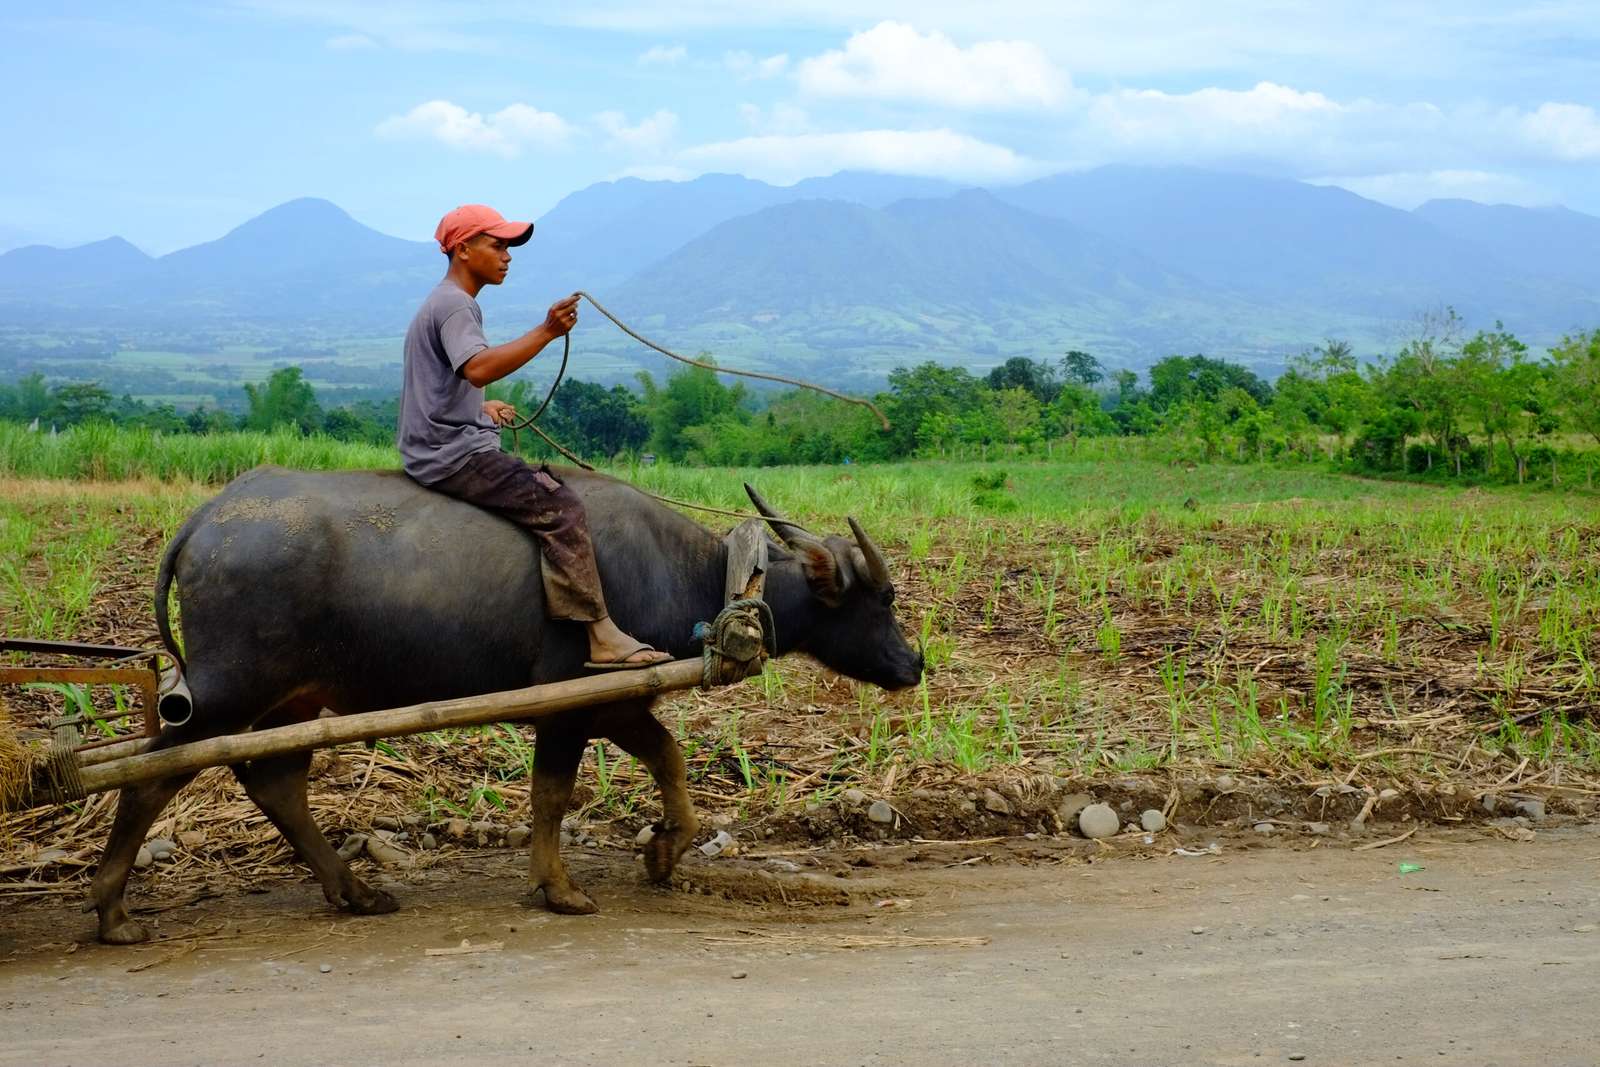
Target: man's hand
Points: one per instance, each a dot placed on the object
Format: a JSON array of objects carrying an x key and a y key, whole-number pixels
[
  {"x": 562, "y": 316},
  {"x": 500, "y": 413}
]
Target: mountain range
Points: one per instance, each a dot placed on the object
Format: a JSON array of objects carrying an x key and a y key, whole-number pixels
[{"x": 847, "y": 276}]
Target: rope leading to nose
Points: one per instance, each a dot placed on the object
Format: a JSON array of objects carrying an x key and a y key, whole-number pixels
[
  {"x": 625, "y": 328},
  {"x": 566, "y": 352}
]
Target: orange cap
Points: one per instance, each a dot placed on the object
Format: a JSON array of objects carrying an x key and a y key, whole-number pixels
[{"x": 469, "y": 220}]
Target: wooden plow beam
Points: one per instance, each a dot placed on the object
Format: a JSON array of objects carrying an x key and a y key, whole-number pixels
[{"x": 62, "y": 774}]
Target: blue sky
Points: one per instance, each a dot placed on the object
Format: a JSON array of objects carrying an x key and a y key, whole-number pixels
[{"x": 170, "y": 123}]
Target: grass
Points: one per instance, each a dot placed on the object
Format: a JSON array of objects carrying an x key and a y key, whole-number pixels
[{"x": 1295, "y": 624}]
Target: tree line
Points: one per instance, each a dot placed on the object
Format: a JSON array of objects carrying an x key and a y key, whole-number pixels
[{"x": 1446, "y": 405}]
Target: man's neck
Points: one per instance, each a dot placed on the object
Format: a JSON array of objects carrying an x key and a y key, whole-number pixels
[{"x": 463, "y": 279}]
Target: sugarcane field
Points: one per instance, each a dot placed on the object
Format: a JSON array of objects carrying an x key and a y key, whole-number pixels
[{"x": 930, "y": 535}]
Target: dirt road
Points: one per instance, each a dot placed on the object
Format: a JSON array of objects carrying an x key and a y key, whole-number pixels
[{"x": 1490, "y": 955}]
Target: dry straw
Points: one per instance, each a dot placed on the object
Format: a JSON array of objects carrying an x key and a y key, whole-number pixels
[{"x": 14, "y": 763}]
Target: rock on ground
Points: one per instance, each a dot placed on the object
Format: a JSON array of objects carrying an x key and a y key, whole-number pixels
[{"x": 1098, "y": 821}]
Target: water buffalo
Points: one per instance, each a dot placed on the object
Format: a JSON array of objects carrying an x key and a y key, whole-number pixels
[{"x": 360, "y": 590}]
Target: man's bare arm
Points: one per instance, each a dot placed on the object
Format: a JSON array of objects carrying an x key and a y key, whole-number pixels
[{"x": 497, "y": 361}]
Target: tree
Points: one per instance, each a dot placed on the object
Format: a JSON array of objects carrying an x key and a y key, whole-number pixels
[
  {"x": 284, "y": 399},
  {"x": 1020, "y": 372},
  {"x": 25, "y": 401},
  {"x": 1082, "y": 368},
  {"x": 693, "y": 396},
  {"x": 926, "y": 389},
  {"x": 1016, "y": 416},
  {"x": 1501, "y": 389},
  {"x": 78, "y": 402},
  {"x": 1177, "y": 379},
  {"x": 1576, "y": 377}
]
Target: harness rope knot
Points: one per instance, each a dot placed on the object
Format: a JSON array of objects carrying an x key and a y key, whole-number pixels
[{"x": 737, "y": 642}]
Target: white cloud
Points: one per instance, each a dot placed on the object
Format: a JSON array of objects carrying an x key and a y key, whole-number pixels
[
  {"x": 650, "y": 134},
  {"x": 1310, "y": 132},
  {"x": 894, "y": 61},
  {"x": 663, "y": 55},
  {"x": 1569, "y": 132},
  {"x": 350, "y": 42},
  {"x": 505, "y": 133},
  {"x": 781, "y": 117},
  {"x": 1407, "y": 189},
  {"x": 931, "y": 153},
  {"x": 748, "y": 67}
]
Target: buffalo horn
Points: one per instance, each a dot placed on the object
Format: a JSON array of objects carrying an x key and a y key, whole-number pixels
[
  {"x": 794, "y": 535},
  {"x": 877, "y": 569}
]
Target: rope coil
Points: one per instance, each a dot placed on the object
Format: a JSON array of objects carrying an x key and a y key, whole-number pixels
[{"x": 736, "y": 644}]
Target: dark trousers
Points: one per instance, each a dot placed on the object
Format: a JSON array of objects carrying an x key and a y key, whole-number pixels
[{"x": 533, "y": 499}]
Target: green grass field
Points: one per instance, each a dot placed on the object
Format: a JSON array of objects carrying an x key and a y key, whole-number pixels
[{"x": 1085, "y": 618}]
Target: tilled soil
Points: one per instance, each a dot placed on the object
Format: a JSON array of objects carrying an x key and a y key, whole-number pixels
[{"x": 1484, "y": 951}]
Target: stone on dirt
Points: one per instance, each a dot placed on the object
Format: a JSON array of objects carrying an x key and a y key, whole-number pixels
[
  {"x": 854, "y": 797},
  {"x": 386, "y": 822},
  {"x": 881, "y": 811},
  {"x": 161, "y": 848},
  {"x": 1152, "y": 821},
  {"x": 457, "y": 828},
  {"x": 326, "y": 968},
  {"x": 428, "y": 841},
  {"x": 1098, "y": 821},
  {"x": 1533, "y": 809},
  {"x": 644, "y": 835},
  {"x": 387, "y": 854},
  {"x": 518, "y": 836},
  {"x": 1265, "y": 827},
  {"x": 996, "y": 803},
  {"x": 353, "y": 846},
  {"x": 1321, "y": 829},
  {"x": 143, "y": 859},
  {"x": 1071, "y": 804}
]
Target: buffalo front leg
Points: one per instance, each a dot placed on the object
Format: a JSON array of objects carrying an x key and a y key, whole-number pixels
[
  {"x": 278, "y": 787},
  {"x": 639, "y": 734},
  {"x": 556, "y": 756}
]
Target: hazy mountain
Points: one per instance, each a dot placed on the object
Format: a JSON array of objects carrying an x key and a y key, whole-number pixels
[
  {"x": 72, "y": 269},
  {"x": 857, "y": 272},
  {"x": 1550, "y": 241},
  {"x": 1288, "y": 241},
  {"x": 595, "y": 238}
]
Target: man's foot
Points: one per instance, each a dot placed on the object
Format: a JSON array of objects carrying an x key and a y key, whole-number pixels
[{"x": 639, "y": 655}]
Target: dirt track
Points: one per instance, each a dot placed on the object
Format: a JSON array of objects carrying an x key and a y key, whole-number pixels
[{"x": 1488, "y": 956}]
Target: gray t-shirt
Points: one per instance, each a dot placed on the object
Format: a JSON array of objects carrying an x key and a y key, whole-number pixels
[{"x": 441, "y": 413}]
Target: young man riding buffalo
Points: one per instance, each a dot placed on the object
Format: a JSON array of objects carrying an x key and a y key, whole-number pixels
[{"x": 449, "y": 435}]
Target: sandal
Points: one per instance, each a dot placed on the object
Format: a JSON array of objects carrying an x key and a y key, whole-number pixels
[{"x": 626, "y": 662}]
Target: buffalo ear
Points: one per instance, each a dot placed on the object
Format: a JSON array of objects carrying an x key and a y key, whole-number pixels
[{"x": 824, "y": 574}]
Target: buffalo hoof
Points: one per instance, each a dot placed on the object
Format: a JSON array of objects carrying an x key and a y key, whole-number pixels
[
  {"x": 364, "y": 900},
  {"x": 569, "y": 901},
  {"x": 126, "y": 932},
  {"x": 661, "y": 853}
]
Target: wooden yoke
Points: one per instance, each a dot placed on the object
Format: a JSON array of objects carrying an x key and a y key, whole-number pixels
[{"x": 747, "y": 562}]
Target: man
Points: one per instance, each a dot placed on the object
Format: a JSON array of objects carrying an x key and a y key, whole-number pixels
[{"x": 449, "y": 435}]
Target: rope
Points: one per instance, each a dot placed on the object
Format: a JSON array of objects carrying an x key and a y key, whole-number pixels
[
  {"x": 519, "y": 425},
  {"x": 625, "y": 328},
  {"x": 737, "y": 642}
]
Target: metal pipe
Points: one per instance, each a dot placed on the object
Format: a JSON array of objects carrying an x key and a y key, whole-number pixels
[{"x": 174, "y": 702}]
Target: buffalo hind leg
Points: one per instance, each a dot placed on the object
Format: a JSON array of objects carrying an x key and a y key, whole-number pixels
[
  {"x": 556, "y": 755},
  {"x": 277, "y": 784},
  {"x": 642, "y": 736},
  {"x": 138, "y": 806}
]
